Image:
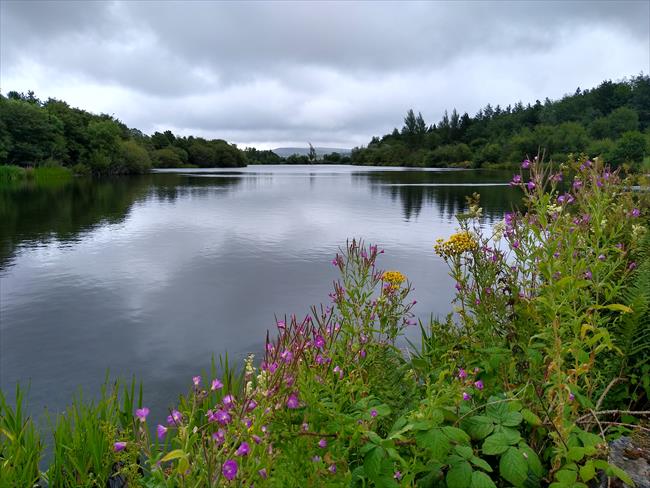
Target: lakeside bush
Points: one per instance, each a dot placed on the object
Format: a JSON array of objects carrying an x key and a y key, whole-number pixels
[{"x": 541, "y": 363}]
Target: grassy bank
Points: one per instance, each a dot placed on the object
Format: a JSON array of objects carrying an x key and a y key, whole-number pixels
[
  {"x": 541, "y": 363},
  {"x": 42, "y": 175}
]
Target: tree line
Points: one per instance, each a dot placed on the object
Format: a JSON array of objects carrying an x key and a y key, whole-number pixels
[{"x": 611, "y": 120}]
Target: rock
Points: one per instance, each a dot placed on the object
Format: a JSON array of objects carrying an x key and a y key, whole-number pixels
[{"x": 632, "y": 455}]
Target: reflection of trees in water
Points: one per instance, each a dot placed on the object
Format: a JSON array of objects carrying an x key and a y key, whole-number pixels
[
  {"x": 38, "y": 214},
  {"x": 448, "y": 200}
]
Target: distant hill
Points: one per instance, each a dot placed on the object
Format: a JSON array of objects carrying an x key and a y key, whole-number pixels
[{"x": 304, "y": 151}]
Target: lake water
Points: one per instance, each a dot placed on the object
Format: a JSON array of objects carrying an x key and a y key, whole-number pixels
[{"x": 151, "y": 276}]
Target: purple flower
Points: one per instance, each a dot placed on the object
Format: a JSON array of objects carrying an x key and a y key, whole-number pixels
[
  {"x": 339, "y": 371},
  {"x": 478, "y": 384},
  {"x": 222, "y": 416},
  {"x": 322, "y": 443},
  {"x": 398, "y": 474},
  {"x": 462, "y": 373},
  {"x": 571, "y": 397},
  {"x": 219, "y": 436},
  {"x": 515, "y": 244},
  {"x": 525, "y": 164},
  {"x": 142, "y": 413},
  {"x": 602, "y": 257},
  {"x": 458, "y": 286},
  {"x": 162, "y": 430},
  {"x": 292, "y": 401},
  {"x": 228, "y": 401},
  {"x": 577, "y": 184},
  {"x": 216, "y": 385},
  {"x": 243, "y": 449},
  {"x": 281, "y": 324},
  {"x": 316, "y": 459},
  {"x": 516, "y": 180},
  {"x": 530, "y": 185},
  {"x": 229, "y": 469},
  {"x": 466, "y": 396},
  {"x": 175, "y": 418},
  {"x": 588, "y": 275},
  {"x": 305, "y": 426},
  {"x": 256, "y": 439},
  {"x": 635, "y": 212},
  {"x": 119, "y": 446},
  {"x": 262, "y": 473},
  {"x": 373, "y": 413},
  {"x": 287, "y": 356},
  {"x": 332, "y": 468},
  {"x": 319, "y": 342},
  {"x": 196, "y": 380},
  {"x": 251, "y": 405},
  {"x": 362, "y": 353},
  {"x": 632, "y": 266}
]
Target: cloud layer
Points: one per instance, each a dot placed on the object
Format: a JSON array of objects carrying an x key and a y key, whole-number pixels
[{"x": 272, "y": 74}]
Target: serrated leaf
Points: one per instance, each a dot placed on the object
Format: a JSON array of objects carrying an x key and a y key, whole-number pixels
[
  {"x": 478, "y": 427},
  {"x": 436, "y": 442},
  {"x": 497, "y": 410},
  {"x": 459, "y": 475},
  {"x": 575, "y": 453},
  {"x": 495, "y": 444},
  {"x": 513, "y": 466},
  {"x": 481, "y": 480},
  {"x": 512, "y": 419},
  {"x": 465, "y": 452},
  {"x": 455, "y": 434},
  {"x": 481, "y": 463}
]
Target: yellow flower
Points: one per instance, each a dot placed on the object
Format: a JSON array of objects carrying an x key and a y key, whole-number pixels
[
  {"x": 456, "y": 245},
  {"x": 395, "y": 278}
]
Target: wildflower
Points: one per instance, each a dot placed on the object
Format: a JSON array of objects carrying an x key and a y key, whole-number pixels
[
  {"x": 466, "y": 396},
  {"x": 398, "y": 474},
  {"x": 332, "y": 468},
  {"x": 322, "y": 443},
  {"x": 223, "y": 417},
  {"x": 458, "y": 286},
  {"x": 478, "y": 384},
  {"x": 175, "y": 418},
  {"x": 229, "y": 469},
  {"x": 515, "y": 244},
  {"x": 262, "y": 473},
  {"x": 338, "y": 370},
  {"x": 362, "y": 353},
  {"x": 305, "y": 426},
  {"x": 316, "y": 459},
  {"x": 319, "y": 342},
  {"x": 588, "y": 275},
  {"x": 571, "y": 397},
  {"x": 373, "y": 413},
  {"x": 142, "y": 413},
  {"x": 219, "y": 436},
  {"x": 162, "y": 430},
  {"x": 602, "y": 257},
  {"x": 635, "y": 212},
  {"x": 281, "y": 324},
  {"x": 256, "y": 439},
  {"x": 228, "y": 401},
  {"x": 251, "y": 405},
  {"x": 395, "y": 278},
  {"x": 462, "y": 373},
  {"x": 243, "y": 449},
  {"x": 516, "y": 180},
  {"x": 216, "y": 385},
  {"x": 577, "y": 184},
  {"x": 119, "y": 446},
  {"x": 287, "y": 356},
  {"x": 530, "y": 185},
  {"x": 525, "y": 164},
  {"x": 632, "y": 266},
  {"x": 196, "y": 380},
  {"x": 292, "y": 401},
  {"x": 456, "y": 245}
]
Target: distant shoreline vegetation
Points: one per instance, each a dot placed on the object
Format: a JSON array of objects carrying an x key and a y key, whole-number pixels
[{"x": 611, "y": 121}]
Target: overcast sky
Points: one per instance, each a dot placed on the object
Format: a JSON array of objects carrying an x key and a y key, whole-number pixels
[{"x": 280, "y": 74}]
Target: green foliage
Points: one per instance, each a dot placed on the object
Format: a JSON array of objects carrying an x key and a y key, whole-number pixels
[{"x": 583, "y": 121}]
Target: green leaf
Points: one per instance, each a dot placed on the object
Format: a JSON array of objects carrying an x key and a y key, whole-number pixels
[
  {"x": 534, "y": 464},
  {"x": 465, "y": 452},
  {"x": 495, "y": 444},
  {"x": 513, "y": 466},
  {"x": 460, "y": 475},
  {"x": 588, "y": 471},
  {"x": 512, "y": 419},
  {"x": 171, "y": 455},
  {"x": 481, "y": 463},
  {"x": 497, "y": 410},
  {"x": 575, "y": 453},
  {"x": 436, "y": 442},
  {"x": 455, "y": 434},
  {"x": 530, "y": 417},
  {"x": 621, "y": 475},
  {"x": 372, "y": 462},
  {"x": 374, "y": 437},
  {"x": 481, "y": 480},
  {"x": 566, "y": 476},
  {"x": 478, "y": 427}
]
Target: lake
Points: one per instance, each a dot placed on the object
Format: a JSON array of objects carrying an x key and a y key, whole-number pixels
[{"x": 153, "y": 275}]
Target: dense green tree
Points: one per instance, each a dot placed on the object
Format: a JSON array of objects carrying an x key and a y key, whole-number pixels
[{"x": 630, "y": 148}]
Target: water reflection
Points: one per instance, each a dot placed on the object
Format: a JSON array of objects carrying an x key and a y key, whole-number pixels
[{"x": 152, "y": 275}]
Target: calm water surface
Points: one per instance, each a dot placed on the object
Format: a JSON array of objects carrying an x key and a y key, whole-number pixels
[{"x": 150, "y": 276}]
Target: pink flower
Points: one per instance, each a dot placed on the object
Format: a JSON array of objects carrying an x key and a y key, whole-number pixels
[
  {"x": 466, "y": 396},
  {"x": 373, "y": 413},
  {"x": 162, "y": 430},
  {"x": 525, "y": 164},
  {"x": 243, "y": 449},
  {"x": 462, "y": 373},
  {"x": 229, "y": 469},
  {"x": 292, "y": 401},
  {"x": 142, "y": 413},
  {"x": 228, "y": 401},
  {"x": 332, "y": 468},
  {"x": 175, "y": 418},
  {"x": 478, "y": 384},
  {"x": 398, "y": 474},
  {"x": 516, "y": 180},
  {"x": 216, "y": 385},
  {"x": 196, "y": 380},
  {"x": 119, "y": 446},
  {"x": 319, "y": 342},
  {"x": 262, "y": 473},
  {"x": 530, "y": 185},
  {"x": 219, "y": 436},
  {"x": 322, "y": 443},
  {"x": 222, "y": 416}
]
